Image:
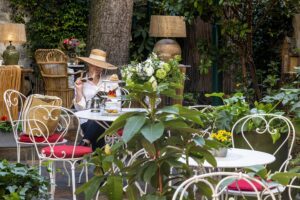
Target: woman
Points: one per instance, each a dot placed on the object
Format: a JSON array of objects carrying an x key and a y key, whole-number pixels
[{"x": 86, "y": 90}]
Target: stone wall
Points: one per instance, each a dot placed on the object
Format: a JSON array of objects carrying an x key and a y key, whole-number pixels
[{"x": 4, "y": 18}]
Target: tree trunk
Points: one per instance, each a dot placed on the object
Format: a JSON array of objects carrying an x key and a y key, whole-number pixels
[{"x": 110, "y": 29}]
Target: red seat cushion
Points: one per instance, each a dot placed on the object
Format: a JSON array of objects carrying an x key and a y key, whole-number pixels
[
  {"x": 242, "y": 185},
  {"x": 52, "y": 138},
  {"x": 65, "y": 151}
]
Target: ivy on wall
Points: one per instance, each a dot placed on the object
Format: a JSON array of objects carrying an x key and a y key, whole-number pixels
[{"x": 48, "y": 22}]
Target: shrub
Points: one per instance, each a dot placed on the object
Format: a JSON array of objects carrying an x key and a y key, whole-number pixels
[{"x": 17, "y": 181}]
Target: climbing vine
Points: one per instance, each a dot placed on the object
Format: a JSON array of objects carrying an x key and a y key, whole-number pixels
[{"x": 50, "y": 21}]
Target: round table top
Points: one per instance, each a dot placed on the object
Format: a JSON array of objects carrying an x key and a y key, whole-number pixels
[
  {"x": 97, "y": 116},
  {"x": 238, "y": 158}
]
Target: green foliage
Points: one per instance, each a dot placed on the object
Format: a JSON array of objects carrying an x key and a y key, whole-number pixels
[
  {"x": 50, "y": 21},
  {"x": 20, "y": 182},
  {"x": 141, "y": 44},
  {"x": 287, "y": 98},
  {"x": 165, "y": 134}
]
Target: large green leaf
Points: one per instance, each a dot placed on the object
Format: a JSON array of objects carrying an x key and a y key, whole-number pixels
[
  {"x": 91, "y": 187},
  {"x": 150, "y": 171},
  {"x": 114, "y": 188},
  {"x": 119, "y": 123},
  {"x": 132, "y": 126},
  {"x": 284, "y": 177},
  {"x": 169, "y": 109},
  {"x": 152, "y": 132}
]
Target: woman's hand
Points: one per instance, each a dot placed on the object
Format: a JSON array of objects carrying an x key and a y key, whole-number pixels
[{"x": 79, "y": 89}]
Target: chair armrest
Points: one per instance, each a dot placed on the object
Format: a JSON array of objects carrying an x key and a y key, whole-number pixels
[{"x": 53, "y": 76}]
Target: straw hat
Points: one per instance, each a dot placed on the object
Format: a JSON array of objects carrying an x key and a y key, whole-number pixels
[{"x": 97, "y": 58}]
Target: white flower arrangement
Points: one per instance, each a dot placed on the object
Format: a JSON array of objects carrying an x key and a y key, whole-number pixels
[{"x": 153, "y": 71}]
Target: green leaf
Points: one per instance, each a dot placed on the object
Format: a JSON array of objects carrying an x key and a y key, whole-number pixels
[
  {"x": 149, "y": 147},
  {"x": 114, "y": 188},
  {"x": 153, "y": 197},
  {"x": 132, "y": 192},
  {"x": 91, "y": 187},
  {"x": 132, "y": 126},
  {"x": 169, "y": 109},
  {"x": 284, "y": 177},
  {"x": 150, "y": 171},
  {"x": 204, "y": 189},
  {"x": 215, "y": 94},
  {"x": 275, "y": 136},
  {"x": 199, "y": 141},
  {"x": 152, "y": 132},
  {"x": 119, "y": 123}
]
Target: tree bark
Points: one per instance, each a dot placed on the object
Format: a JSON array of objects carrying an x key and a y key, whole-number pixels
[{"x": 110, "y": 29}]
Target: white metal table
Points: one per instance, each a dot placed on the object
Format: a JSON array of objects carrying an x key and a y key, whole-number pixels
[
  {"x": 237, "y": 158},
  {"x": 101, "y": 118}
]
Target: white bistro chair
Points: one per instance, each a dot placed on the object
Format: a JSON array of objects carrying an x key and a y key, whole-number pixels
[
  {"x": 262, "y": 124},
  {"x": 55, "y": 151},
  {"x": 217, "y": 183},
  {"x": 14, "y": 100}
]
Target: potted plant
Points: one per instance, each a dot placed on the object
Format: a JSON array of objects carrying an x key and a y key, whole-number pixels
[
  {"x": 165, "y": 134},
  {"x": 18, "y": 181},
  {"x": 224, "y": 138}
]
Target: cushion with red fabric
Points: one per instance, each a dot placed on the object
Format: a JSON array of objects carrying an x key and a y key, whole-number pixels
[
  {"x": 243, "y": 185},
  {"x": 65, "y": 151},
  {"x": 55, "y": 137}
]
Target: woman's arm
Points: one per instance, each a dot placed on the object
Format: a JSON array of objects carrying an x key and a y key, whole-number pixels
[{"x": 79, "y": 101}]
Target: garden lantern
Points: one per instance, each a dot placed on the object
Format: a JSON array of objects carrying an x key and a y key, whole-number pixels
[{"x": 167, "y": 27}]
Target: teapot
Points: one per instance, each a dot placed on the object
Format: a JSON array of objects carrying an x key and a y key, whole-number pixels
[{"x": 94, "y": 104}]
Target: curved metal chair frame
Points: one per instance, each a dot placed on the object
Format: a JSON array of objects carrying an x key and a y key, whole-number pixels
[
  {"x": 64, "y": 120},
  {"x": 267, "y": 120},
  {"x": 219, "y": 190},
  {"x": 14, "y": 99}
]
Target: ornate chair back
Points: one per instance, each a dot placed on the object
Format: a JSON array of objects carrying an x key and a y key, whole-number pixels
[
  {"x": 259, "y": 132},
  {"x": 65, "y": 119},
  {"x": 14, "y": 101}
]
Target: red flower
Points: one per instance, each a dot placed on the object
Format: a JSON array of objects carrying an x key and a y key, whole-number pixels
[
  {"x": 4, "y": 118},
  {"x": 120, "y": 132}
]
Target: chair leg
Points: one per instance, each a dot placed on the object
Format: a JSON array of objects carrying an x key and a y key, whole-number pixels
[
  {"x": 18, "y": 153},
  {"x": 68, "y": 174},
  {"x": 86, "y": 171},
  {"x": 73, "y": 179},
  {"x": 52, "y": 180},
  {"x": 32, "y": 155},
  {"x": 40, "y": 167},
  {"x": 80, "y": 175}
]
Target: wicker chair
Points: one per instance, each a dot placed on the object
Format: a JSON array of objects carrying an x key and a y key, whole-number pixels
[{"x": 53, "y": 66}]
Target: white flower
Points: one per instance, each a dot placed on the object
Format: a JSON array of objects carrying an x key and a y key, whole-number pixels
[
  {"x": 149, "y": 71},
  {"x": 154, "y": 82}
]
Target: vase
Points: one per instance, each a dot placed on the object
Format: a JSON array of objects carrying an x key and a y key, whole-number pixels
[
  {"x": 72, "y": 58},
  {"x": 221, "y": 152}
]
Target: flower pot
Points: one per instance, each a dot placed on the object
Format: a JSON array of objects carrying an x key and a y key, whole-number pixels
[
  {"x": 221, "y": 152},
  {"x": 264, "y": 143}
]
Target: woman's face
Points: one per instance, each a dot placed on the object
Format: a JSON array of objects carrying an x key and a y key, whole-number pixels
[{"x": 96, "y": 71}]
